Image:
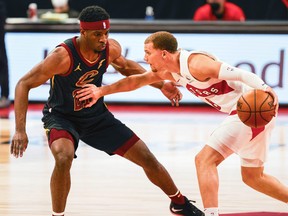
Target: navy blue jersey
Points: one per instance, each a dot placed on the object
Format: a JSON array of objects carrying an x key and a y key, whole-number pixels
[
  {"x": 64, "y": 87},
  {"x": 96, "y": 125}
]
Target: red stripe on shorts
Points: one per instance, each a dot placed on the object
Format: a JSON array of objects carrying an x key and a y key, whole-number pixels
[
  {"x": 57, "y": 134},
  {"x": 256, "y": 131},
  {"x": 234, "y": 112},
  {"x": 124, "y": 148}
]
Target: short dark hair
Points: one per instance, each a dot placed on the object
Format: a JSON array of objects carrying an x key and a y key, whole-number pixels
[
  {"x": 163, "y": 40},
  {"x": 93, "y": 13}
]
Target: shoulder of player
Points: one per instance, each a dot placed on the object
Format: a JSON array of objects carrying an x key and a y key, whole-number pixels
[
  {"x": 196, "y": 59},
  {"x": 114, "y": 44},
  {"x": 58, "y": 61},
  {"x": 59, "y": 52},
  {"x": 115, "y": 49},
  {"x": 202, "y": 66}
]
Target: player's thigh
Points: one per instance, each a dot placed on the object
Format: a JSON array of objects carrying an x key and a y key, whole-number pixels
[
  {"x": 230, "y": 135},
  {"x": 113, "y": 137}
]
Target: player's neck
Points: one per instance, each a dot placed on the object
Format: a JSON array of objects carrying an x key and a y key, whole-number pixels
[
  {"x": 89, "y": 55},
  {"x": 175, "y": 63}
]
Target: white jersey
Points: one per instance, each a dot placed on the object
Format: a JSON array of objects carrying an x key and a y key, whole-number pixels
[{"x": 221, "y": 94}]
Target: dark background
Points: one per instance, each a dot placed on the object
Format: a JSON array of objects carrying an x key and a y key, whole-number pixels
[{"x": 164, "y": 9}]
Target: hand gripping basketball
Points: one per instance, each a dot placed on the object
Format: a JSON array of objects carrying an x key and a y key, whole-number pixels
[{"x": 256, "y": 108}]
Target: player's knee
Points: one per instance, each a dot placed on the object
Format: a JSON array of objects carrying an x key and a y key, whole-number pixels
[
  {"x": 63, "y": 159},
  {"x": 151, "y": 162},
  {"x": 202, "y": 158},
  {"x": 197, "y": 160},
  {"x": 157, "y": 167},
  {"x": 63, "y": 152},
  {"x": 200, "y": 161}
]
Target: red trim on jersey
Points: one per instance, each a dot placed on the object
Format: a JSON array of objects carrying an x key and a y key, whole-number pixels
[
  {"x": 81, "y": 56},
  {"x": 57, "y": 134},
  {"x": 71, "y": 59},
  {"x": 124, "y": 148},
  {"x": 107, "y": 55},
  {"x": 98, "y": 25}
]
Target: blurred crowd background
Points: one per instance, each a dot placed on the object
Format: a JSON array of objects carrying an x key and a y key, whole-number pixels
[{"x": 163, "y": 9}]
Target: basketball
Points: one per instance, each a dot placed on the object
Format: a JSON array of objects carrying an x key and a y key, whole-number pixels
[{"x": 255, "y": 108}]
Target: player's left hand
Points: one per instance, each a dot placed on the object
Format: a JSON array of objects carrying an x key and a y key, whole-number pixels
[{"x": 170, "y": 90}]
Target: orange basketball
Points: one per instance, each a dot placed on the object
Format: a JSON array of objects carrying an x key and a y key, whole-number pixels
[{"x": 255, "y": 108}]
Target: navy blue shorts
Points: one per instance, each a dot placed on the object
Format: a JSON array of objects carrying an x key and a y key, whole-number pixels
[{"x": 103, "y": 132}]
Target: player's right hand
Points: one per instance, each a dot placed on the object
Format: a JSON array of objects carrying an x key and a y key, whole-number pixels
[
  {"x": 274, "y": 95},
  {"x": 19, "y": 144},
  {"x": 170, "y": 90}
]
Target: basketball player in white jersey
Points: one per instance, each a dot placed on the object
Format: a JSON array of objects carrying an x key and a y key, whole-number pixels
[{"x": 219, "y": 85}]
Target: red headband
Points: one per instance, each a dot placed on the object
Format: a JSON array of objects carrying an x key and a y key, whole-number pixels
[{"x": 98, "y": 25}]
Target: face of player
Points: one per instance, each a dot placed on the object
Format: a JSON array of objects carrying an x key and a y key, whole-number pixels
[
  {"x": 154, "y": 57},
  {"x": 97, "y": 39}
]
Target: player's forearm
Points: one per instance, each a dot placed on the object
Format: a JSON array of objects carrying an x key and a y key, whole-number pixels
[
  {"x": 20, "y": 107},
  {"x": 123, "y": 85},
  {"x": 158, "y": 85},
  {"x": 133, "y": 68}
]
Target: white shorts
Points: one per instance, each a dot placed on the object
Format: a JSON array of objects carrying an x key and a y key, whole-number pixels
[{"x": 251, "y": 144}]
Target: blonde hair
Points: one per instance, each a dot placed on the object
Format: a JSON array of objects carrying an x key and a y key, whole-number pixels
[{"x": 163, "y": 40}]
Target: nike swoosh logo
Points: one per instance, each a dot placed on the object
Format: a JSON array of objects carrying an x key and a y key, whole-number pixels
[{"x": 176, "y": 210}]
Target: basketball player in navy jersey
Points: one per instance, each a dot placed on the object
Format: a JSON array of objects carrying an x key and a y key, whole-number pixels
[
  {"x": 74, "y": 63},
  {"x": 219, "y": 85}
]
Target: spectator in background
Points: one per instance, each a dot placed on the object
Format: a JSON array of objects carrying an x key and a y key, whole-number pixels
[
  {"x": 219, "y": 10},
  {"x": 4, "y": 77},
  {"x": 62, "y": 6}
]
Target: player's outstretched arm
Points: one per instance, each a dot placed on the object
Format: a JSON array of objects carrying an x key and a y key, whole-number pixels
[{"x": 130, "y": 83}]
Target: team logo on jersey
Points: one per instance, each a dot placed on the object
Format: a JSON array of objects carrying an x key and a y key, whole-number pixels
[{"x": 78, "y": 68}]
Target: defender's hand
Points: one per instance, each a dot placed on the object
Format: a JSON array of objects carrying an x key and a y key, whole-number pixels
[{"x": 90, "y": 93}]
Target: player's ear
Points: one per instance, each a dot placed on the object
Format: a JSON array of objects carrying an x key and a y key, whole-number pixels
[
  {"x": 164, "y": 53},
  {"x": 82, "y": 31}
]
